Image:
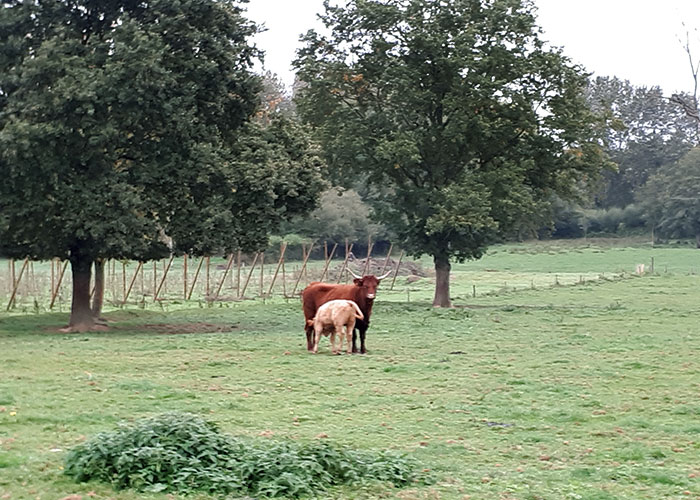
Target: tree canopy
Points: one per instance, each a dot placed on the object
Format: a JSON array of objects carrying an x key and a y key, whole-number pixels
[
  {"x": 643, "y": 129},
  {"x": 671, "y": 197},
  {"x": 460, "y": 118},
  {"x": 340, "y": 216},
  {"x": 123, "y": 122}
]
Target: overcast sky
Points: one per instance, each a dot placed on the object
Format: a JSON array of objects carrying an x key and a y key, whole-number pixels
[{"x": 636, "y": 40}]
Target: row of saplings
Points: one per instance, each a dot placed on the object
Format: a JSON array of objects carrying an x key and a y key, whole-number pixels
[{"x": 182, "y": 453}]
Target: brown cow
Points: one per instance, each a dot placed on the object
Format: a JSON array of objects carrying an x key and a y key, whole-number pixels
[
  {"x": 331, "y": 318},
  {"x": 362, "y": 292}
]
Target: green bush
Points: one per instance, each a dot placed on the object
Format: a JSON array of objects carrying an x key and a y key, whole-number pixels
[
  {"x": 183, "y": 453},
  {"x": 614, "y": 220}
]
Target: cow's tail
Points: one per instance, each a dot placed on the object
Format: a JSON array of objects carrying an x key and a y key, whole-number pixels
[{"x": 358, "y": 312}]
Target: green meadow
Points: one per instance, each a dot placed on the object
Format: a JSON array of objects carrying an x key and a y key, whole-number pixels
[{"x": 559, "y": 374}]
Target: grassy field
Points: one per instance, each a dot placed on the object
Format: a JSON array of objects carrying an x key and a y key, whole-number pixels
[{"x": 586, "y": 390}]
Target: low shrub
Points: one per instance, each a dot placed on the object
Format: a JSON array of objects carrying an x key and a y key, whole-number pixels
[{"x": 182, "y": 453}]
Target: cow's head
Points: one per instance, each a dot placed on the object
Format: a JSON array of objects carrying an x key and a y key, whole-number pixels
[{"x": 369, "y": 283}]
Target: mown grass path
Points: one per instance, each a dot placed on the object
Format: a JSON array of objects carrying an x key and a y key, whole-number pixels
[{"x": 588, "y": 391}]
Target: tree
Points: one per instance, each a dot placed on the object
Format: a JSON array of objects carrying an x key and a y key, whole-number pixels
[
  {"x": 671, "y": 198},
  {"x": 126, "y": 124},
  {"x": 643, "y": 131},
  {"x": 340, "y": 216},
  {"x": 275, "y": 98},
  {"x": 688, "y": 103},
  {"x": 455, "y": 113}
]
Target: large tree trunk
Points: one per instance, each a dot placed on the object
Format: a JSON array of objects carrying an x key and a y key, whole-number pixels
[
  {"x": 99, "y": 295},
  {"x": 697, "y": 240},
  {"x": 81, "y": 318},
  {"x": 442, "y": 281}
]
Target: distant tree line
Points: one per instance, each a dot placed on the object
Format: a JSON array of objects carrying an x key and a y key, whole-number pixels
[
  {"x": 647, "y": 137},
  {"x": 655, "y": 183}
]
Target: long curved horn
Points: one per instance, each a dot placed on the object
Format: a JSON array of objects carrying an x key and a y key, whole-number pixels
[
  {"x": 380, "y": 278},
  {"x": 353, "y": 274}
]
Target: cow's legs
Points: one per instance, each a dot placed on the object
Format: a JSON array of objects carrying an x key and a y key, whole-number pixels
[
  {"x": 310, "y": 338},
  {"x": 363, "y": 331},
  {"x": 348, "y": 339}
]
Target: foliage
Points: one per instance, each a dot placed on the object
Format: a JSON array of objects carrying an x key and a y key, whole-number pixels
[
  {"x": 183, "y": 453},
  {"x": 456, "y": 114},
  {"x": 120, "y": 129},
  {"x": 568, "y": 220},
  {"x": 572, "y": 221},
  {"x": 643, "y": 131},
  {"x": 126, "y": 124},
  {"x": 340, "y": 215},
  {"x": 671, "y": 198},
  {"x": 614, "y": 220},
  {"x": 275, "y": 98}
]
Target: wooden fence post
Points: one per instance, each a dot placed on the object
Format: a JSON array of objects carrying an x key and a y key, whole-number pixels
[
  {"x": 348, "y": 250},
  {"x": 369, "y": 253},
  {"x": 386, "y": 260},
  {"x": 303, "y": 268},
  {"x": 143, "y": 283},
  {"x": 284, "y": 275},
  {"x": 208, "y": 290},
  {"x": 124, "y": 280},
  {"x": 223, "y": 278},
  {"x": 155, "y": 278},
  {"x": 133, "y": 280},
  {"x": 53, "y": 274},
  {"x": 165, "y": 276},
  {"x": 15, "y": 285},
  {"x": 396, "y": 272},
  {"x": 184, "y": 276},
  {"x": 166, "y": 269},
  {"x": 262, "y": 272},
  {"x": 13, "y": 275},
  {"x": 238, "y": 274},
  {"x": 54, "y": 293},
  {"x": 280, "y": 263},
  {"x": 196, "y": 275},
  {"x": 328, "y": 261},
  {"x": 252, "y": 268}
]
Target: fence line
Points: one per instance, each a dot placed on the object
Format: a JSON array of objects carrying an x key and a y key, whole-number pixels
[
  {"x": 172, "y": 279},
  {"x": 46, "y": 285}
]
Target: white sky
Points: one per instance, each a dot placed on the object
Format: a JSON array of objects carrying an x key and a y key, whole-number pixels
[{"x": 636, "y": 40}]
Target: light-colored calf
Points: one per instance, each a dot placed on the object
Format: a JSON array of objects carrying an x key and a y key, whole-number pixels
[{"x": 331, "y": 317}]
